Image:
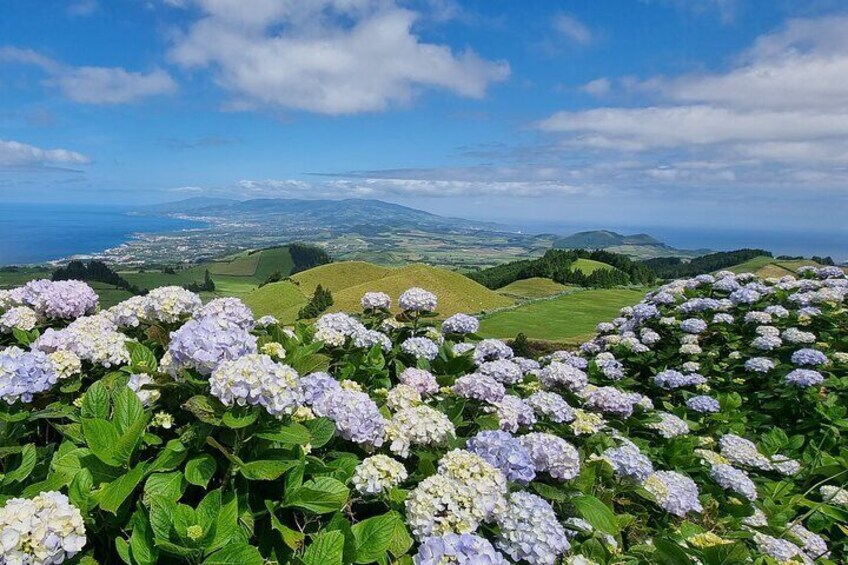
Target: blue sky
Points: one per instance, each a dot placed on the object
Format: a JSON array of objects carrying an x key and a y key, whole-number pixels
[{"x": 677, "y": 113}]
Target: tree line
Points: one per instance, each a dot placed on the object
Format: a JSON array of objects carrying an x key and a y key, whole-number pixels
[
  {"x": 674, "y": 267},
  {"x": 557, "y": 265},
  {"x": 94, "y": 271}
]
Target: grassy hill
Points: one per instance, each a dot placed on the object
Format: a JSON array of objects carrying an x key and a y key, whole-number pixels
[
  {"x": 536, "y": 287},
  {"x": 589, "y": 266},
  {"x": 771, "y": 267},
  {"x": 570, "y": 318},
  {"x": 349, "y": 280}
]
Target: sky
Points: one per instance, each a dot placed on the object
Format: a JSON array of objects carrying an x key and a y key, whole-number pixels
[{"x": 720, "y": 114}]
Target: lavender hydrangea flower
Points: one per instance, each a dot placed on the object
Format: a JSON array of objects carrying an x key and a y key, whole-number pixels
[
  {"x": 611, "y": 368},
  {"x": 376, "y": 301},
  {"x": 170, "y": 304},
  {"x": 530, "y": 530},
  {"x": 759, "y": 364},
  {"x": 20, "y": 317},
  {"x": 356, "y": 416},
  {"x": 526, "y": 365},
  {"x": 736, "y": 480},
  {"x": 502, "y": 370},
  {"x": 804, "y": 378},
  {"x": 316, "y": 385},
  {"x": 809, "y": 357},
  {"x": 552, "y": 455},
  {"x": 628, "y": 462},
  {"x": 610, "y": 400},
  {"x": 693, "y": 326},
  {"x": 461, "y": 549},
  {"x": 203, "y": 344},
  {"x": 671, "y": 380},
  {"x": 24, "y": 373},
  {"x": 231, "y": 310},
  {"x": 506, "y": 453},
  {"x": 677, "y": 494},
  {"x": 551, "y": 405},
  {"x": 418, "y": 300},
  {"x": 420, "y": 348},
  {"x": 670, "y": 425},
  {"x": 491, "y": 350},
  {"x": 257, "y": 380},
  {"x": 561, "y": 375},
  {"x": 369, "y": 338},
  {"x": 514, "y": 413},
  {"x": 703, "y": 404},
  {"x": 421, "y": 380},
  {"x": 61, "y": 299},
  {"x": 479, "y": 387},
  {"x": 745, "y": 296},
  {"x": 742, "y": 452},
  {"x": 461, "y": 324}
]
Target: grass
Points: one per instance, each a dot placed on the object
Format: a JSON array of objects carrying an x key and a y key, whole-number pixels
[
  {"x": 456, "y": 292},
  {"x": 349, "y": 280},
  {"x": 752, "y": 265},
  {"x": 338, "y": 276},
  {"x": 272, "y": 260},
  {"x": 766, "y": 267},
  {"x": 589, "y": 266},
  {"x": 240, "y": 266},
  {"x": 282, "y": 300},
  {"x": 570, "y": 317},
  {"x": 536, "y": 287}
]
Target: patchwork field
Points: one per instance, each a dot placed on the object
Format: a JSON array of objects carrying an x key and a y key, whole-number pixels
[{"x": 568, "y": 318}]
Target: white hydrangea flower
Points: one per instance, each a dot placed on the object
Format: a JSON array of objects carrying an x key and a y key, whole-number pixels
[
  {"x": 378, "y": 474},
  {"x": 418, "y": 425},
  {"x": 44, "y": 530}
]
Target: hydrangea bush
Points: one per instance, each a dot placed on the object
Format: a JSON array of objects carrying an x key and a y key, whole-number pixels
[{"x": 704, "y": 425}]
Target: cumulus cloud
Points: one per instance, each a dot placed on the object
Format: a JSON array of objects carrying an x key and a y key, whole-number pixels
[
  {"x": 779, "y": 112},
  {"x": 94, "y": 85},
  {"x": 597, "y": 87},
  {"x": 328, "y": 56},
  {"x": 14, "y": 154}
]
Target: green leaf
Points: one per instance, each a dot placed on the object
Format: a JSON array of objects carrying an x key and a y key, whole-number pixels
[
  {"x": 143, "y": 550},
  {"x": 292, "y": 538},
  {"x": 81, "y": 488},
  {"x": 163, "y": 487},
  {"x": 669, "y": 553},
  {"x": 226, "y": 524},
  {"x": 204, "y": 409},
  {"x": 373, "y": 537},
  {"x": 22, "y": 471},
  {"x": 200, "y": 470},
  {"x": 118, "y": 490},
  {"x": 327, "y": 548},
  {"x": 290, "y": 434},
  {"x": 267, "y": 470},
  {"x": 122, "y": 548},
  {"x": 101, "y": 437},
  {"x": 161, "y": 520},
  {"x": 128, "y": 409},
  {"x": 22, "y": 336},
  {"x": 401, "y": 540},
  {"x": 597, "y": 513},
  {"x": 312, "y": 363},
  {"x": 321, "y": 495},
  {"x": 142, "y": 358},
  {"x": 725, "y": 554},
  {"x": 321, "y": 430},
  {"x": 238, "y": 418},
  {"x": 95, "y": 402},
  {"x": 236, "y": 554},
  {"x": 130, "y": 439}
]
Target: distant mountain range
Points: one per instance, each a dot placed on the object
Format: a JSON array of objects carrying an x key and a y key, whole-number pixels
[
  {"x": 639, "y": 245},
  {"x": 362, "y": 229},
  {"x": 328, "y": 214}
]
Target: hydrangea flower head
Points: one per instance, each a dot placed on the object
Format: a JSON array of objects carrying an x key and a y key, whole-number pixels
[{"x": 418, "y": 300}]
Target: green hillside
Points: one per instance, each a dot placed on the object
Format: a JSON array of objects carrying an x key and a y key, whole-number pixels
[
  {"x": 349, "y": 280},
  {"x": 536, "y": 287},
  {"x": 571, "y": 317},
  {"x": 770, "y": 267},
  {"x": 282, "y": 300},
  {"x": 589, "y": 266}
]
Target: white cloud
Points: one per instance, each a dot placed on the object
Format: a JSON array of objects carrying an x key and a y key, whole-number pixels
[
  {"x": 22, "y": 155},
  {"x": 94, "y": 85},
  {"x": 598, "y": 87},
  {"x": 777, "y": 117},
  {"x": 573, "y": 29},
  {"x": 83, "y": 7},
  {"x": 328, "y": 56}
]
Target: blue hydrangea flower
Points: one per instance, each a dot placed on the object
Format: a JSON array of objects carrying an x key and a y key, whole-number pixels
[
  {"x": 505, "y": 452},
  {"x": 24, "y": 373},
  {"x": 671, "y": 379},
  {"x": 203, "y": 344},
  {"x": 461, "y": 324},
  {"x": 459, "y": 549},
  {"x": 479, "y": 387},
  {"x": 804, "y": 378},
  {"x": 628, "y": 462},
  {"x": 530, "y": 530},
  {"x": 809, "y": 357},
  {"x": 552, "y": 455},
  {"x": 703, "y": 404}
]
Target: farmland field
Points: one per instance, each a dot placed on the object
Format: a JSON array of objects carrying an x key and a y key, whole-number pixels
[
  {"x": 589, "y": 266},
  {"x": 536, "y": 287},
  {"x": 571, "y": 317}
]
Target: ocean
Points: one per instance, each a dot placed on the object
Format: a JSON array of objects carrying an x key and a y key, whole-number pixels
[{"x": 32, "y": 233}]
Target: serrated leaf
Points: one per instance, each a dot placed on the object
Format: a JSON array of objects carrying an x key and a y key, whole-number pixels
[
  {"x": 128, "y": 409},
  {"x": 597, "y": 513},
  {"x": 321, "y": 495},
  {"x": 327, "y": 548},
  {"x": 238, "y": 418},
  {"x": 24, "y": 469},
  {"x": 373, "y": 537},
  {"x": 236, "y": 554},
  {"x": 401, "y": 541},
  {"x": 321, "y": 430},
  {"x": 200, "y": 470},
  {"x": 204, "y": 409},
  {"x": 267, "y": 470},
  {"x": 163, "y": 487},
  {"x": 120, "y": 489},
  {"x": 290, "y": 434},
  {"x": 101, "y": 437},
  {"x": 95, "y": 402},
  {"x": 142, "y": 358},
  {"x": 142, "y": 548}
]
